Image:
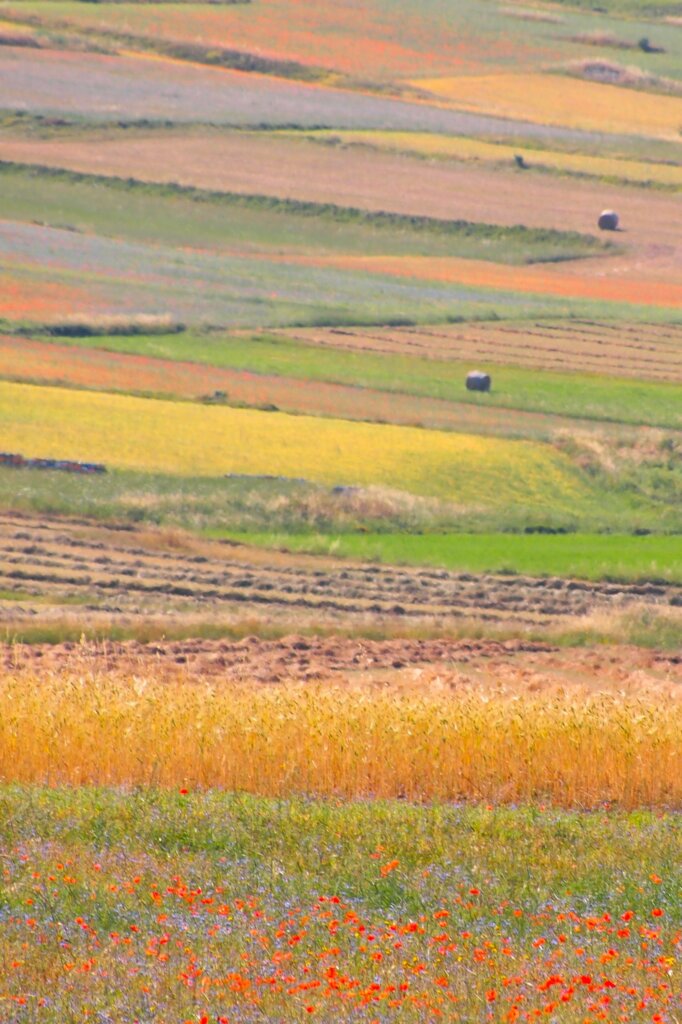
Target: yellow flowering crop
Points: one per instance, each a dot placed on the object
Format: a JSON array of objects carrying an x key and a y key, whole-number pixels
[
  {"x": 193, "y": 439},
  {"x": 560, "y": 100}
]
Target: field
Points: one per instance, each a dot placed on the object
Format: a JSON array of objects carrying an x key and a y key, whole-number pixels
[
  {"x": 448, "y": 147},
  {"x": 159, "y": 436},
  {"x": 589, "y": 106},
  {"x": 366, "y": 360},
  {"x": 296, "y": 909},
  {"x": 582, "y": 556},
  {"x": 344, "y": 693}
]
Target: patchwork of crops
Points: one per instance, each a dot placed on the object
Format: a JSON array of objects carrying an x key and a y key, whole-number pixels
[
  {"x": 108, "y": 87},
  {"x": 329, "y": 36},
  {"x": 200, "y": 440},
  {"x": 558, "y": 100},
  {"x": 24, "y": 359},
  {"x": 206, "y": 287}
]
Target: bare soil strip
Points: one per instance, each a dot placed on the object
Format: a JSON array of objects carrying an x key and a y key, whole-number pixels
[
  {"x": 517, "y": 666},
  {"x": 126, "y": 572},
  {"x": 644, "y": 351}
]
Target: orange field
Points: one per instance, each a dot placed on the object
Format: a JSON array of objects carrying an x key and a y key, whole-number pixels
[
  {"x": 586, "y": 283},
  {"x": 559, "y": 100},
  {"x": 24, "y": 299},
  {"x": 325, "y": 34}
]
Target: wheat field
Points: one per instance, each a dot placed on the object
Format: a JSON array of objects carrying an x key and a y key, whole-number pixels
[{"x": 431, "y": 743}]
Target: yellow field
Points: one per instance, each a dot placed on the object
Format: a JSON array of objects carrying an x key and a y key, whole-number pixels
[
  {"x": 560, "y": 100},
  {"x": 193, "y": 439},
  {"x": 426, "y": 742},
  {"x": 434, "y": 145}
]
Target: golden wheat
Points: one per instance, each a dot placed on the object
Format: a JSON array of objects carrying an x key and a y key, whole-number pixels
[{"x": 432, "y": 743}]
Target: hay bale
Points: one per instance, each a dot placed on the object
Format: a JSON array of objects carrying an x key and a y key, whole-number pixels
[
  {"x": 477, "y": 380},
  {"x": 608, "y": 220}
]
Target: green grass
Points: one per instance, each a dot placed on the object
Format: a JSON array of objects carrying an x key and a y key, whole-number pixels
[
  {"x": 261, "y": 506},
  {"x": 585, "y": 396},
  {"x": 585, "y": 556},
  {"x": 177, "y": 215}
]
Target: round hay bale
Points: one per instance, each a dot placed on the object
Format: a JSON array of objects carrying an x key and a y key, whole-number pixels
[
  {"x": 477, "y": 380},
  {"x": 608, "y": 220}
]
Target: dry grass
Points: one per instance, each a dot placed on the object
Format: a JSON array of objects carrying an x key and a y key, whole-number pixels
[
  {"x": 422, "y": 741},
  {"x": 531, "y": 14}
]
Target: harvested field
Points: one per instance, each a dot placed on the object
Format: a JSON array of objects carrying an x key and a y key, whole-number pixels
[
  {"x": 559, "y": 100},
  {"x": 112, "y": 88},
  {"x": 194, "y": 440},
  {"x": 635, "y": 172},
  {"x": 523, "y": 666},
  {"x": 128, "y": 574},
  {"x": 298, "y": 168},
  {"x": 642, "y": 351},
  {"x": 29, "y": 360}
]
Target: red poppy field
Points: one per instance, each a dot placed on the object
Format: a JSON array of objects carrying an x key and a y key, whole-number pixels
[{"x": 292, "y": 911}]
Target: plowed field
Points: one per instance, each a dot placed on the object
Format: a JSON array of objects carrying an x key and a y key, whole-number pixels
[
  {"x": 642, "y": 351},
  {"x": 130, "y": 573},
  {"x": 522, "y": 667}
]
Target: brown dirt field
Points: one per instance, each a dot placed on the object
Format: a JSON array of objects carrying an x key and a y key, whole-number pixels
[
  {"x": 133, "y": 573},
  {"x": 513, "y": 665},
  {"x": 644, "y": 351},
  {"x": 372, "y": 180},
  {"x": 42, "y": 362}
]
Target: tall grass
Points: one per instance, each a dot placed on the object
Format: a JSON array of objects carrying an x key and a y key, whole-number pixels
[{"x": 576, "y": 749}]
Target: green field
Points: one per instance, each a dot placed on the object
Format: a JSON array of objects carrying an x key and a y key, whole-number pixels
[
  {"x": 585, "y": 396},
  {"x": 585, "y": 556}
]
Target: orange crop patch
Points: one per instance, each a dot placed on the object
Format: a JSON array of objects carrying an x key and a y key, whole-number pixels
[
  {"x": 24, "y": 299},
  {"x": 357, "y": 37},
  {"x": 591, "y": 282},
  {"x": 560, "y": 100}
]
